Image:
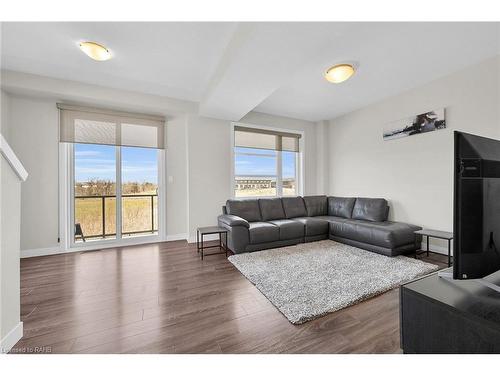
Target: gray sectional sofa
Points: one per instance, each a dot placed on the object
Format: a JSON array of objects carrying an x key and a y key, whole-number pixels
[{"x": 258, "y": 224}]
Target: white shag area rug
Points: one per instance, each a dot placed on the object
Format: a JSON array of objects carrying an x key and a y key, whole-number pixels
[{"x": 310, "y": 280}]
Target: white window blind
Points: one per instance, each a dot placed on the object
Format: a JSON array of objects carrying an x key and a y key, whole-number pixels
[
  {"x": 266, "y": 139},
  {"x": 99, "y": 126}
]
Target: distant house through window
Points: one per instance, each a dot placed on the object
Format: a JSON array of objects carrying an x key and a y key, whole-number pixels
[
  {"x": 256, "y": 172},
  {"x": 266, "y": 163}
]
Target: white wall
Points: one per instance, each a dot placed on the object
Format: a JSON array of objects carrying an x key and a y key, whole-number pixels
[
  {"x": 10, "y": 196},
  {"x": 4, "y": 128},
  {"x": 10, "y": 223},
  {"x": 10, "y": 201},
  {"x": 209, "y": 170},
  {"x": 34, "y": 138},
  {"x": 177, "y": 174},
  {"x": 415, "y": 173},
  {"x": 322, "y": 166},
  {"x": 198, "y": 153}
]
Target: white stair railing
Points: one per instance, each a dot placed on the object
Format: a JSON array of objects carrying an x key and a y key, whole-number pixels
[
  {"x": 10, "y": 243},
  {"x": 12, "y": 159}
]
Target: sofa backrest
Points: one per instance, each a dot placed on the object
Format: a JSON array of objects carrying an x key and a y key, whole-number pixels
[
  {"x": 370, "y": 209},
  {"x": 293, "y": 207},
  {"x": 264, "y": 209},
  {"x": 247, "y": 209},
  {"x": 316, "y": 205},
  {"x": 340, "y": 206},
  {"x": 271, "y": 209}
]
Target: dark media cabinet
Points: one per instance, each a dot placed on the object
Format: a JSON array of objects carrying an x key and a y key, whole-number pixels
[{"x": 439, "y": 315}]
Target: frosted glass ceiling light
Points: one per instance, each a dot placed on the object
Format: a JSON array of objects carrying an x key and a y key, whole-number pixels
[
  {"x": 339, "y": 73},
  {"x": 95, "y": 51}
]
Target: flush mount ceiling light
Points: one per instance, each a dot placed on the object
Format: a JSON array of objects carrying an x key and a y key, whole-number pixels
[
  {"x": 339, "y": 73},
  {"x": 95, "y": 51}
]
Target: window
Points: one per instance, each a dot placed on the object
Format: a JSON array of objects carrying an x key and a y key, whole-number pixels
[
  {"x": 95, "y": 190},
  {"x": 139, "y": 191},
  {"x": 256, "y": 172},
  {"x": 266, "y": 163},
  {"x": 114, "y": 171},
  {"x": 289, "y": 169}
]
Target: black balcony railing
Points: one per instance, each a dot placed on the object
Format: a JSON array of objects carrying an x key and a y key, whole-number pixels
[{"x": 88, "y": 224}]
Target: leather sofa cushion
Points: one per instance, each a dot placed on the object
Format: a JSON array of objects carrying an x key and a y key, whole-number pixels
[
  {"x": 331, "y": 219},
  {"x": 289, "y": 229},
  {"x": 316, "y": 205},
  {"x": 247, "y": 209},
  {"x": 313, "y": 225},
  {"x": 370, "y": 209},
  {"x": 341, "y": 207},
  {"x": 294, "y": 207},
  {"x": 271, "y": 209},
  {"x": 386, "y": 234},
  {"x": 263, "y": 232}
]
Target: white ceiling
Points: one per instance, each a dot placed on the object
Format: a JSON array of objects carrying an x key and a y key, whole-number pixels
[
  {"x": 234, "y": 68},
  {"x": 392, "y": 58},
  {"x": 171, "y": 59}
]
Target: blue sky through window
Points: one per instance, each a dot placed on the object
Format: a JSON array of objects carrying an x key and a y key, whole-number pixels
[
  {"x": 139, "y": 164},
  {"x": 264, "y": 164},
  {"x": 288, "y": 160},
  {"x": 99, "y": 162}
]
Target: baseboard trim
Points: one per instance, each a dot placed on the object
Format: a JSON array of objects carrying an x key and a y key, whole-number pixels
[
  {"x": 177, "y": 237},
  {"x": 29, "y": 253},
  {"x": 11, "y": 338}
]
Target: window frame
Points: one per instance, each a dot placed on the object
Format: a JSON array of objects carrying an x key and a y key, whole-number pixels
[
  {"x": 299, "y": 162},
  {"x": 67, "y": 205},
  {"x": 298, "y": 169}
]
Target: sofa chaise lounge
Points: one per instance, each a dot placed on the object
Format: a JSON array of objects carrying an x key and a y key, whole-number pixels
[{"x": 258, "y": 224}]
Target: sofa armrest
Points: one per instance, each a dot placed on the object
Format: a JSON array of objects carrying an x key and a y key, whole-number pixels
[{"x": 233, "y": 221}]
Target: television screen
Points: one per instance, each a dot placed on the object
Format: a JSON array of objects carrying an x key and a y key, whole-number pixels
[{"x": 476, "y": 213}]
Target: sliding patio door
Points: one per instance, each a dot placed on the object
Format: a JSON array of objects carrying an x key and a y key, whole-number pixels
[
  {"x": 115, "y": 171},
  {"x": 139, "y": 191},
  {"x": 95, "y": 171},
  {"x": 105, "y": 210}
]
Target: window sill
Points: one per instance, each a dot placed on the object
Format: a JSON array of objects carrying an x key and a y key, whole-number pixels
[{"x": 256, "y": 197}]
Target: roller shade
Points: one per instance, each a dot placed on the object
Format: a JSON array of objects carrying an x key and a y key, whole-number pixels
[
  {"x": 99, "y": 126},
  {"x": 266, "y": 139}
]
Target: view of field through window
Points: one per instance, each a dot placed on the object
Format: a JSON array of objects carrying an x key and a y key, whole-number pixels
[
  {"x": 256, "y": 172},
  {"x": 95, "y": 190}
]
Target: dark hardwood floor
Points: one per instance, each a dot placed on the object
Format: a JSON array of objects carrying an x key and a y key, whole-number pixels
[{"x": 162, "y": 298}]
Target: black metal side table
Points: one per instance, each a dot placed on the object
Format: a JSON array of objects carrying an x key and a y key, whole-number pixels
[
  {"x": 200, "y": 245},
  {"x": 436, "y": 234}
]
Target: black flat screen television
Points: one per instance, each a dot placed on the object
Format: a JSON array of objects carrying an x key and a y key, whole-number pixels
[{"x": 476, "y": 212}]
